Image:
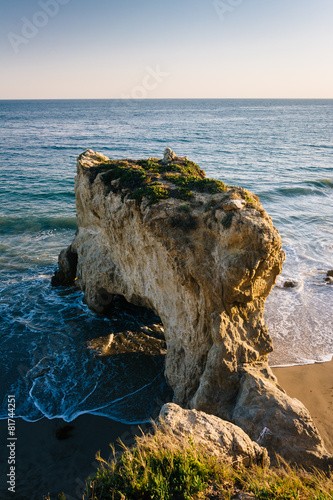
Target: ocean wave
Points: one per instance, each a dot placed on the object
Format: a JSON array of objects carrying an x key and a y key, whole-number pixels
[
  {"x": 137, "y": 407},
  {"x": 296, "y": 191},
  {"x": 36, "y": 192},
  {"x": 54, "y": 372},
  {"x": 299, "y": 318},
  {"x": 14, "y": 225},
  {"x": 289, "y": 192},
  {"x": 322, "y": 183},
  {"x": 317, "y": 187},
  {"x": 62, "y": 147},
  {"x": 319, "y": 146},
  {"x": 321, "y": 359}
]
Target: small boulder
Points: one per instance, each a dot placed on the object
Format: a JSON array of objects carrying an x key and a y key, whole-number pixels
[
  {"x": 169, "y": 155},
  {"x": 330, "y": 273},
  {"x": 234, "y": 205},
  {"x": 290, "y": 284},
  {"x": 219, "y": 437}
]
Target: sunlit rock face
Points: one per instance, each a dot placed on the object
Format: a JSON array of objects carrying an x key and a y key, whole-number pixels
[
  {"x": 218, "y": 437},
  {"x": 142, "y": 341},
  {"x": 203, "y": 257}
]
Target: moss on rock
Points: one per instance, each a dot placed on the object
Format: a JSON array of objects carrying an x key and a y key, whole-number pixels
[{"x": 154, "y": 180}]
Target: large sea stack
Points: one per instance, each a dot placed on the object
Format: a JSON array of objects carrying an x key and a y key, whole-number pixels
[{"x": 204, "y": 257}]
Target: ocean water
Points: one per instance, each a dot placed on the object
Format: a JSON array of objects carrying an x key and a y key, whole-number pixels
[{"x": 279, "y": 149}]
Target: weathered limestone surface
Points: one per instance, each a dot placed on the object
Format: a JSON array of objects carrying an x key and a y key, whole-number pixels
[
  {"x": 206, "y": 269},
  {"x": 219, "y": 437}
]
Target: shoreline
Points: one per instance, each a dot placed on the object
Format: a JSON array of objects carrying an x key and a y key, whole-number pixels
[
  {"x": 312, "y": 384},
  {"x": 329, "y": 358},
  {"x": 49, "y": 462}
]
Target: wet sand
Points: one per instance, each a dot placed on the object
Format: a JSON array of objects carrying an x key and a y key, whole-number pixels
[
  {"x": 46, "y": 464},
  {"x": 313, "y": 386}
]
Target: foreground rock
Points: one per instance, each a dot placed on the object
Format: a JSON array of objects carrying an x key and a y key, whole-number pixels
[
  {"x": 219, "y": 437},
  {"x": 204, "y": 257}
]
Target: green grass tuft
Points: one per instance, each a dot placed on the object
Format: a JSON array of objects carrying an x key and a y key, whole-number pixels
[
  {"x": 154, "y": 193},
  {"x": 249, "y": 200},
  {"x": 162, "y": 466},
  {"x": 196, "y": 183},
  {"x": 185, "y": 208},
  {"x": 143, "y": 473}
]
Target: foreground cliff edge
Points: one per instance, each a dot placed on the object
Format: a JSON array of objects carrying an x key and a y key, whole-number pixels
[{"x": 204, "y": 257}]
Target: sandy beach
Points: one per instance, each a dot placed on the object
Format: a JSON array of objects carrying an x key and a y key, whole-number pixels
[
  {"x": 313, "y": 386},
  {"x": 47, "y": 464}
]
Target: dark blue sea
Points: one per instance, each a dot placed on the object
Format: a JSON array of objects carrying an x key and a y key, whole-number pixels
[{"x": 279, "y": 149}]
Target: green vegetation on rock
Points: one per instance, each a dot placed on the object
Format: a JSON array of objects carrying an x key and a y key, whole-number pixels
[
  {"x": 154, "y": 180},
  {"x": 249, "y": 200},
  {"x": 154, "y": 193},
  {"x": 185, "y": 208},
  {"x": 161, "y": 466},
  {"x": 202, "y": 185}
]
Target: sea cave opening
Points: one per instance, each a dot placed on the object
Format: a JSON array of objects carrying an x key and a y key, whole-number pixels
[{"x": 134, "y": 345}]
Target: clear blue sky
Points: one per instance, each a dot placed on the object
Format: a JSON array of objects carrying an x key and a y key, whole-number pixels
[{"x": 166, "y": 48}]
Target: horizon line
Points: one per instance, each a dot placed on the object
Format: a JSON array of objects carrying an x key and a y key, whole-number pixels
[{"x": 160, "y": 98}]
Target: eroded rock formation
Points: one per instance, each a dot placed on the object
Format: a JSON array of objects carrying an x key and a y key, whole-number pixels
[{"x": 204, "y": 257}]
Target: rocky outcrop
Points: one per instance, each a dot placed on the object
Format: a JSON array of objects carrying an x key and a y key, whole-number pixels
[
  {"x": 291, "y": 434},
  {"x": 329, "y": 277},
  {"x": 67, "y": 262},
  {"x": 218, "y": 437},
  {"x": 204, "y": 257}
]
